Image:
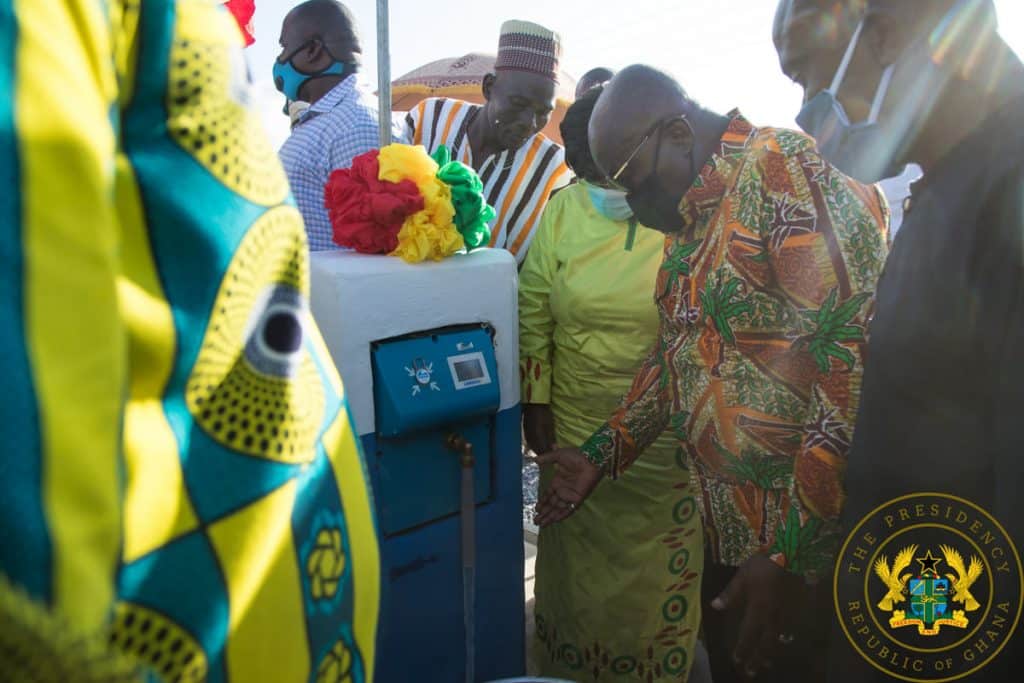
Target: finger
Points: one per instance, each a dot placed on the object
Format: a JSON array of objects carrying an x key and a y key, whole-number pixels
[
  {"x": 558, "y": 498},
  {"x": 731, "y": 597},
  {"x": 551, "y": 516},
  {"x": 569, "y": 494},
  {"x": 552, "y": 500},
  {"x": 552, "y": 457},
  {"x": 548, "y": 500}
]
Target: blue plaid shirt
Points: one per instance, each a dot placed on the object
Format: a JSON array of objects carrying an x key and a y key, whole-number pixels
[{"x": 337, "y": 128}]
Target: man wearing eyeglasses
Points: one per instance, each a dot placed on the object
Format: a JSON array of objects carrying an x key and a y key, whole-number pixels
[{"x": 770, "y": 267}]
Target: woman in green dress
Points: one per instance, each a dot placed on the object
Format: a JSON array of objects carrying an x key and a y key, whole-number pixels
[{"x": 617, "y": 592}]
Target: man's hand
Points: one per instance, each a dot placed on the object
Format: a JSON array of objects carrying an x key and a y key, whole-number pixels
[
  {"x": 575, "y": 477},
  {"x": 539, "y": 427},
  {"x": 767, "y": 595}
]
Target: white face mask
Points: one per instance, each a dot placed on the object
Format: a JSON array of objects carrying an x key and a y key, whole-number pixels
[
  {"x": 873, "y": 149},
  {"x": 609, "y": 203}
]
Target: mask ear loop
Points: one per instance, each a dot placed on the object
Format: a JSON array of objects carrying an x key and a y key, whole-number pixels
[
  {"x": 881, "y": 92},
  {"x": 291, "y": 55},
  {"x": 837, "y": 80}
]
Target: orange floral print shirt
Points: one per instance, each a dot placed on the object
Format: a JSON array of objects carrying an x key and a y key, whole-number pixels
[{"x": 764, "y": 299}]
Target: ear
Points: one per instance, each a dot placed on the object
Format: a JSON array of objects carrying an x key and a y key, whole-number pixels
[
  {"x": 316, "y": 52},
  {"x": 488, "y": 86},
  {"x": 882, "y": 34},
  {"x": 680, "y": 133}
]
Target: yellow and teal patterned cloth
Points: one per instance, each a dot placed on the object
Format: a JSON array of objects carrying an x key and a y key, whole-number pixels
[{"x": 180, "y": 469}]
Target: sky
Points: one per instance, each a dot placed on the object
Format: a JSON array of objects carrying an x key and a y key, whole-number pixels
[{"x": 719, "y": 50}]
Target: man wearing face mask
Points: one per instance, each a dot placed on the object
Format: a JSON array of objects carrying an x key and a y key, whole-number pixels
[
  {"x": 768, "y": 279},
  {"x": 318, "y": 64},
  {"x": 502, "y": 140},
  {"x": 944, "y": 383},
  {"x": 810, "y": 37}
]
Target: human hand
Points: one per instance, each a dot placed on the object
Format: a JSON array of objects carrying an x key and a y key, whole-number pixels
[
  {"x": 539, "y": 427},
  {"x": 574, "y": 479},
  {"x": 767, "y": 595}
]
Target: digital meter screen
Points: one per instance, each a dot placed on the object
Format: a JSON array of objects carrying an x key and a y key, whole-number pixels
[{"x": 469, "y": 370}]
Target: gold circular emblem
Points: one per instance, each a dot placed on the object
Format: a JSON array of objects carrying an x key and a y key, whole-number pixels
[{"x": 928, "y": 588}]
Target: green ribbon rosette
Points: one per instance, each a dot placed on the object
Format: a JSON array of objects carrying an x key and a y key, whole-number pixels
[{"x": 472, "y": 212}]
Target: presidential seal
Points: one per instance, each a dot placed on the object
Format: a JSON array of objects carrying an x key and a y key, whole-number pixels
[{"x": 928, "y": 587}]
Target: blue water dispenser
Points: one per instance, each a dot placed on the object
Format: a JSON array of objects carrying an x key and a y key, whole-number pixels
[{"x": 432, "y": 381}]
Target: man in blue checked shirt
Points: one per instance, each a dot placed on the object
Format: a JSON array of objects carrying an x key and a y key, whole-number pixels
[{"x": 319, "y": 61}]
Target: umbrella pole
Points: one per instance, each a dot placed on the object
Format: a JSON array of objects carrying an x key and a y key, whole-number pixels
[{"x": 384, "y": 71}]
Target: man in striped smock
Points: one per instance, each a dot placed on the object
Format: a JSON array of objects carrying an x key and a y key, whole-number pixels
[{"x": 501, "y": 139}]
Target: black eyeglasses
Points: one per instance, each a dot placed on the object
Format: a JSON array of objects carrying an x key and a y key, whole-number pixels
[{"x": 654, "y": 131}]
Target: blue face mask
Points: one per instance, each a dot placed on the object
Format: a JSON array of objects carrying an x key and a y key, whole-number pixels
[
  {"x": 290, "y": 80},
  {"x": 609, "y": 203},
  {"x": 871, "y": 150}
]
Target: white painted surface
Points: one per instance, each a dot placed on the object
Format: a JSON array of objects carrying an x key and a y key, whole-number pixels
[{"x": 358, "y": 299}]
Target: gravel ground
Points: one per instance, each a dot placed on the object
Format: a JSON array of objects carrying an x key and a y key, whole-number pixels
[{"x": 531, "y": 479}]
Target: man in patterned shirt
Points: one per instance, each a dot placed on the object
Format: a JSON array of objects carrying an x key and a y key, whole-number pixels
[
  {"x": 770, "y": 267},
  {"x": 319, "y": 64}
]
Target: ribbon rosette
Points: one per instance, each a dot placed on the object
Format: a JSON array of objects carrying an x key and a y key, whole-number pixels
[
  {"x": 243, "y": 11},
  {"x": 472, "y": 214},
  {"x": 402, "y": 202},
  {"x": 367, "y": 213}
]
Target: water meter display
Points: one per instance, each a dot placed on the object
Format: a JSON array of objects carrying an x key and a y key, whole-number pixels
[
  {"x": 468, "y": 370},
  {"x": 412, "y": 391}
]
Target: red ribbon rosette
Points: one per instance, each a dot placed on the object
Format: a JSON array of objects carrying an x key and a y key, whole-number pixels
[
  {"x": 243, "y": 11},
  {"x": 367, "y": 213}
]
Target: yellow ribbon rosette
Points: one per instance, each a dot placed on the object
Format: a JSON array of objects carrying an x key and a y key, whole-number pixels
[{"x": 431, "y": 232}]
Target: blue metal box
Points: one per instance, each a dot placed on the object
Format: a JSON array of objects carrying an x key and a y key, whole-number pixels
[{"x": 427, "y": 386}]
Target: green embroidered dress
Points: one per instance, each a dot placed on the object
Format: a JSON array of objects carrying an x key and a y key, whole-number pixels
[{"x": 617, "y": 593}]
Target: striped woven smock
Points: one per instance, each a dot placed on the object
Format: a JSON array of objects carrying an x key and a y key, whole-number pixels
[{"x": 517, "y": 183}]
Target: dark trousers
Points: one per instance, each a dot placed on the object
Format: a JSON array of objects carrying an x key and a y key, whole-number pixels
[{"x": 802, "y": 661}]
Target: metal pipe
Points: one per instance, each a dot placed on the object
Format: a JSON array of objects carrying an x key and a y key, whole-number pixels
[
  {"x": 467, "y": 514},
  {"x": 384, "y": 71}
]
